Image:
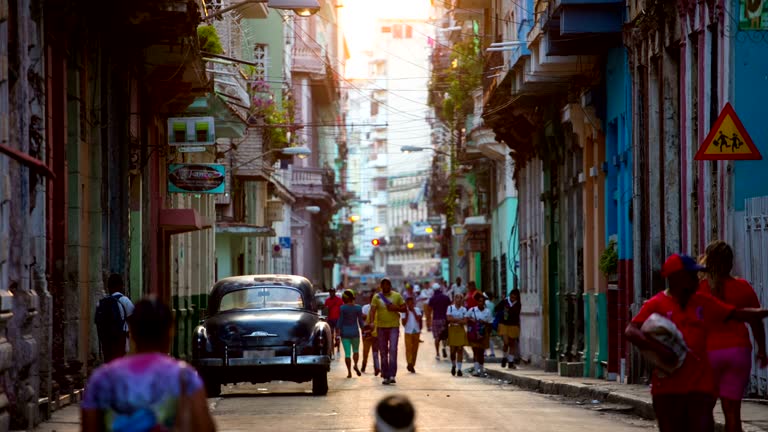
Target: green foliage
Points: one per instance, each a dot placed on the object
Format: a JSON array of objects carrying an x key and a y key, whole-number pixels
[
  {"x": 462, "y": 78},
  {"x": 278, "y": 121},
  {"x": 209, "y": 40},
  {"x": 609, "y": 260}
]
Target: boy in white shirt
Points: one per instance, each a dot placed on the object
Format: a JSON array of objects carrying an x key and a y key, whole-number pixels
[{"x": 412, "y": 319}]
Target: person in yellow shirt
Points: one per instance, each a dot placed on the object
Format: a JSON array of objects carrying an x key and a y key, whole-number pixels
[{"x": 386, "y": 307}]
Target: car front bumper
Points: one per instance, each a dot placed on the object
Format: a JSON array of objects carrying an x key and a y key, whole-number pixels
[{"x": 302, "y": 360}]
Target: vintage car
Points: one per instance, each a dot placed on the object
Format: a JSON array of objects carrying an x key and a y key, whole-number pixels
[{"x": 262, "y": 328}]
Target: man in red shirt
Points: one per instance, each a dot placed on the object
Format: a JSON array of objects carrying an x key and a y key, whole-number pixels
[
  {"x": 684, "y": 399},
  {"x": 471, "y": 290},
  {"x": 333, "y": 304}
]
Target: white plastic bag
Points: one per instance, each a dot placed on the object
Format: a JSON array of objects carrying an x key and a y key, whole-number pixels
[{"x": 665, "y": 331}]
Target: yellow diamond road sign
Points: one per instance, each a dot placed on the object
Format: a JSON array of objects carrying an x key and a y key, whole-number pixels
[{"x": 728, "y": 140}]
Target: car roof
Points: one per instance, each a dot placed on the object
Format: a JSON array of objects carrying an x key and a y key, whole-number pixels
[{"x": 235, "y": 283}]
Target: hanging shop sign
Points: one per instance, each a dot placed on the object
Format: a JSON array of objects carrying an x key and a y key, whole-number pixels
[
  {"x": 191, "y": 131},
  {"x": 753, "y": 15},
  {"x": 728, "y": 140},
  {"x": 196, "y": 178}
]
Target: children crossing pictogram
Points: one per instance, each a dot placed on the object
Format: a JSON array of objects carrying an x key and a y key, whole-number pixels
[{"x": 728, "y": 140}]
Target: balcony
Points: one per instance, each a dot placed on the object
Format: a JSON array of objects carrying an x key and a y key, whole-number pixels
[
  {"x": 307, "y": 58},
  {"x": 314, "y": 184},
  {"x": 583, "y": 26}
]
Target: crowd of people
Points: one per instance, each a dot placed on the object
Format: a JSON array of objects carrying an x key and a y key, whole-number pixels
[
  {"x": 694, "y": 332},
  {"x": 458, "y": 316}
]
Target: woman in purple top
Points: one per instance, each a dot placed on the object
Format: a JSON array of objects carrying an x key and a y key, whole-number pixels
[{"x": 143, "y": 391}]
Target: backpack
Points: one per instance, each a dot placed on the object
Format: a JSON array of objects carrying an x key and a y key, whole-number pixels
[{"x": 110, "y": 321}]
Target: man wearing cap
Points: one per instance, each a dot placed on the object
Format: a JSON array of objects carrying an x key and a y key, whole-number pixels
[{"x": 684, "y": 399}]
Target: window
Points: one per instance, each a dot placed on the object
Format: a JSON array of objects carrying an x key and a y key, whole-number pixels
[
  {"x": 261, "y": 298},
  {"x": 374, "y": 108},
  {"x": 261, "y": 59},
  {"x": 402, "y": 31}
]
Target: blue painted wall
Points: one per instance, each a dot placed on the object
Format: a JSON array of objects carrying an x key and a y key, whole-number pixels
[
  {"x": 750, "y": 84},
  {"x": 504, "y": 238},
  {"x": 618, "y": 151}
]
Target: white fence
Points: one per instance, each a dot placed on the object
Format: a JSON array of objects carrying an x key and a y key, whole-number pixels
[{"x": 756, "y": 271}]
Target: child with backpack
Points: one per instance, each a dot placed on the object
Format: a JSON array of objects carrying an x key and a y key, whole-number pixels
[{"x": 111, "y": 320}]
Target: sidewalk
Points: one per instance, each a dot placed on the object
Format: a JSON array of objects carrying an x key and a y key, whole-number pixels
[{"x": 635, "y": 398}]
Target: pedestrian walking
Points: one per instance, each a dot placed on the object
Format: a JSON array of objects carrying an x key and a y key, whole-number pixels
[
  {"x": 148, "y": 390},
  {"x": 333, "y": 305},
  {"x": 370, "y": 339},
  {"x": 439, "y": 304},
  {"x": 508, "y": 318},
  {"x": 470, "y": 301},
  {"x": 395, "y": 414},
  {"x": 457, "y": 288},
  {"x": 682, "y": 386},
  {"x": 457, "y": 334},
  {"x": 413, "y": 319},
  {"x": 728, "y": 346},
  {"x": 491, "y": 306},
  {"x": 386, "y": 307},
  {"x": 111, "y": 319},
  {"x": 350, "y": 323},
  {"x": 479, "y": 320},
  {"x": 422, "y": 302}
]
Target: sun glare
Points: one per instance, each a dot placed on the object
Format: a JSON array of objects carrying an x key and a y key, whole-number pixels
[{"x": 358, "y": 21}]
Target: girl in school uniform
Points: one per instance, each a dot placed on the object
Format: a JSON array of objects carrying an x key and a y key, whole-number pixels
[{"x": 457, "y": 334}]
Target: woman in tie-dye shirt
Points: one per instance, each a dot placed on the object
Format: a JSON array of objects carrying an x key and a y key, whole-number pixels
[{"x": 140, "y": 392}]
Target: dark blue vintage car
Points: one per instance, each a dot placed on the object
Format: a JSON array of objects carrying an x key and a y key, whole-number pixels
[{"x": 263, "y": 328}]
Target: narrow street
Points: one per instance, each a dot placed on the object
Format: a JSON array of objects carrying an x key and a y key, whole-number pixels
[{"x": 442, "y": 402}]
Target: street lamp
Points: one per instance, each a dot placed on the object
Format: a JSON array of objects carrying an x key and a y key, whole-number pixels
[
  {"x": 311, "y": 209},
  {"x": 303, "y": 8},
  {"x": 413, "y": 149},
  {"x": 301, "y": 152}
]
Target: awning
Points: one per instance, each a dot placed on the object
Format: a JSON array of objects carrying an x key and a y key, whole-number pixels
[
  {"x": 179, "y": 221},
  {"x": 245, "y": 230},
  {"x": 476, "y": 223}
]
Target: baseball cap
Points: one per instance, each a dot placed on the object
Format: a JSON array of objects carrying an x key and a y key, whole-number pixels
[{"x": 680, "y": 262}]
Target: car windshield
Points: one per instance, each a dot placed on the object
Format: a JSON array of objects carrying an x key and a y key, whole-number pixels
[{"x": 262, "y": 298}]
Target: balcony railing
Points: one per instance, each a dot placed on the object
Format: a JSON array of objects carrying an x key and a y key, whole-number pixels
[
  {"x": 308, "y": 57},
  {"x": 313, "y": 183}
]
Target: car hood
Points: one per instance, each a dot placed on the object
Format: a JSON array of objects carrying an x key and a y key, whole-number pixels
[{"x": 262, "y": 327}]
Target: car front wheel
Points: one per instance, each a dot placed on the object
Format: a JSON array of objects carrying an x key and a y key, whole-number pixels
[{"x": 320, "y": 384}]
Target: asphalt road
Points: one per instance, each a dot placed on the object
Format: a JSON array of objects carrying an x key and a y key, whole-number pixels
[{"x": 443, "y": 403}]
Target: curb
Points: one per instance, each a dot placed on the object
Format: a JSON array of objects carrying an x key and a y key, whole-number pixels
[{"x": 640, "y": 407}]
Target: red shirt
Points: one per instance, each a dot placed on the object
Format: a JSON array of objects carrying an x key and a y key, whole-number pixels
[
  {"x": 702, "y": 313},
  {"x": 470, "y": 303},
  {"x": 732, "y": 334},
  {"x": 333, "y": 304}
]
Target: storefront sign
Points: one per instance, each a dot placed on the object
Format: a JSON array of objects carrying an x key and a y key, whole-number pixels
[
  {"x": 752, "y": 15},
  {"x": 477, "y": 241},
  {"x": 191, "y": 131},
  {"x": 196, "y": 178}
]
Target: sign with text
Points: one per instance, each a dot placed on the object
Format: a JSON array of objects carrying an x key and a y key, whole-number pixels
[
  {"x": 196, "y": 178},
  {"x": 191, "y": 131},
  {"x": 728, "y": 140},
  {"x": 752, "y": 15}
]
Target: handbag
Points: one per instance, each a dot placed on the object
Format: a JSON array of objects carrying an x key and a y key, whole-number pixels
[{"x": 475, "y": 329}]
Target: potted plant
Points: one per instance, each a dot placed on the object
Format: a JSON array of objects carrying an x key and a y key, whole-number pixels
[{"x": 609, "y": 261}]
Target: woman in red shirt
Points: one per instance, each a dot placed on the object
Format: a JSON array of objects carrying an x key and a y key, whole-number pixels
[{"x": 728, "y": 346}]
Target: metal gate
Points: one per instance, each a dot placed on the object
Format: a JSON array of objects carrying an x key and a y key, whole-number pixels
[{"x": 756, "y": 271}]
